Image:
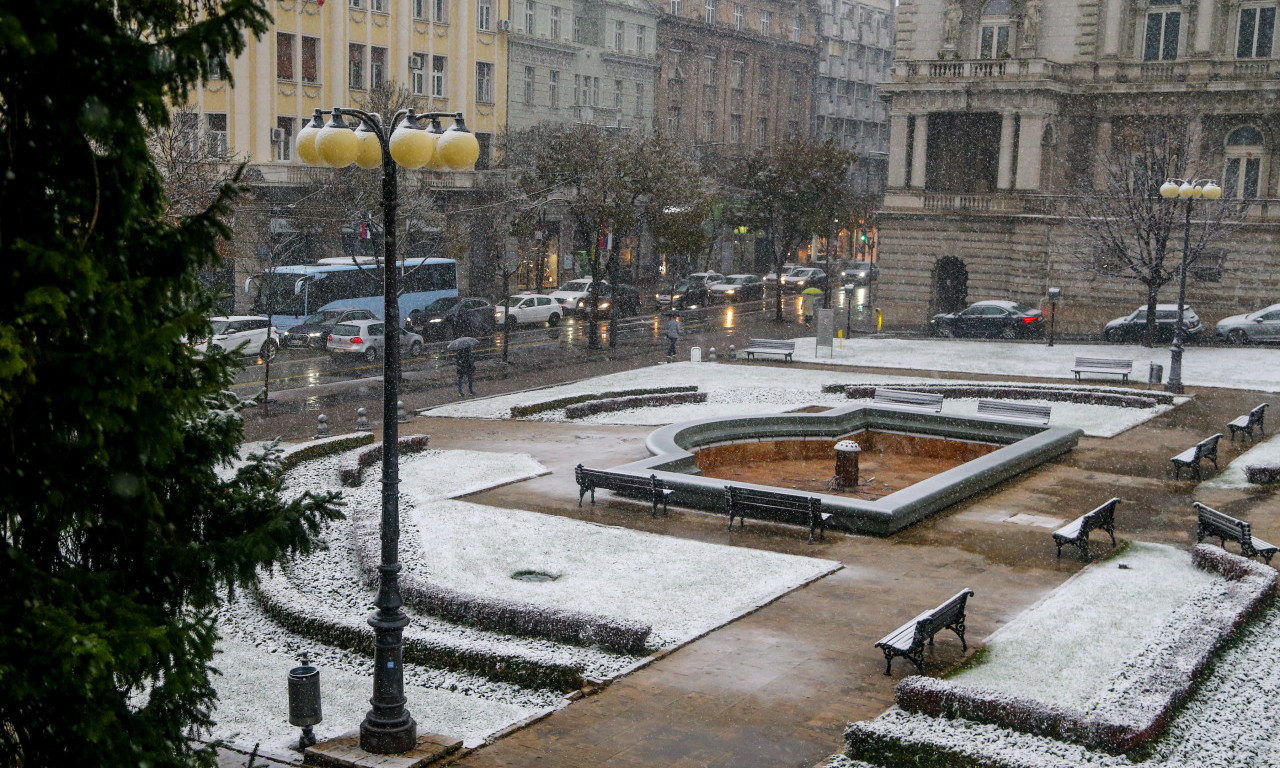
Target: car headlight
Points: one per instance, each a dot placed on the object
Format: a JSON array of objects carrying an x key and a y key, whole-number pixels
[
  {"x": 675, "y": 296},
  {"x": 730, "y": 291},
  {"x": 799, "y": 282},
  {"x": 436, "y": 320}
]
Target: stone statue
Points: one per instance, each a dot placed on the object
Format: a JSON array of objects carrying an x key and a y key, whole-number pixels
[
  {"x": 951, "y": 25},
  {"x": 1032, "y": 17}
]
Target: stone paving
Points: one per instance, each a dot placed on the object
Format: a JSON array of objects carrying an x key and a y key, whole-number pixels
[{"x": 776, "y": 687}]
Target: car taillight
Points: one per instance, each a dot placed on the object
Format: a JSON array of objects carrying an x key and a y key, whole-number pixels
[
  {"x": 357, "y": 340},
  {"x": 331, "y": 337},
  {"x": 1030, "y": 319}
]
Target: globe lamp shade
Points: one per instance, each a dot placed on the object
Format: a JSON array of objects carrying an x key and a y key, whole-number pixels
[
  {"x": 306, "y": 143},
  {"x": 1186, "y": 191},
  {"x": 368, "y": 148},
  {"x": 411, "y": 145},
  {"x": 336, "y": 143},
  {"x": 1212, "y": 191},
  {"x": 459, "y": 149},
  {"x": 436, "y": 163}
]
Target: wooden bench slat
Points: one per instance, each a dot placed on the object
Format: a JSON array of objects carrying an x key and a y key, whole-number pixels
[
  {"x": 949, "y": 615},
  {"x": 1211, "y": 522},
  {"x": 1077, "y": 531},
  {"x": 651, "y": 488},
  {"x": 1021, "y": 411},
  {"x": 1247, "y": 422},
  {"x": 923, "y": 400},
  {"x": 1102, "y": 365},
  {"x": 1205, "y": 449},
  {"x": 783, "y": 347},
  {"x": 775, "y": 506}
]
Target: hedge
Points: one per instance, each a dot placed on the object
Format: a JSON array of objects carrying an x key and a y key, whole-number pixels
[
  {"x": 495, "y": 614},
  {"x": 324, "y": 448},
  {"x": 626, "y": 403},
  {"x": 519, "y": 411},
  {"x": 1086, "y": 397},
  {"x": 1264, "y": 473},
  {"x": 350, "y": 474}
]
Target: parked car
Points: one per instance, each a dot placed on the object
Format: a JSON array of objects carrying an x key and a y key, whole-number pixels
[
  {"x": 1132, "y": 326},
  {"x": 687, "y": 294},
  {"x": 704, "y": 279},
  {"x": 804, "y": 277},
  {"x": 367, "y": 339},
  {"x": 628, "y": 299},
  {"x": 245, "y": 335},
  {"x": 736, "y": 288},
  {"x": 314, "y": 329},
  {"x": 1004, "y": 319},
  {"x": 453, "y": 316},
  {"x": 859, "y": 272},
  {"x": 573, "y": 294},
  {"x": 529, "y": 308},
  {"x": 1263, "y": 325},
  {"x": 772, "y": 278}
]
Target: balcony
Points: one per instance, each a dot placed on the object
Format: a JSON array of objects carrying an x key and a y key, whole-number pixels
[
  {"x": 978, "y": 69},
  {"x": 1149, "y": 72}
]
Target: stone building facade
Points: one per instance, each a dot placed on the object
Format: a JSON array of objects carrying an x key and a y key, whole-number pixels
[
  {"x": 582, "y": 61},
  {"x": 734, "y": 76},
  {"x": 855, "y": 54},
  {"x": 1002, "y": 112}
]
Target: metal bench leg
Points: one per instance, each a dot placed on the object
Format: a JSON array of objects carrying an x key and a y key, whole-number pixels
[
  {"x": 1083, "y": 544},
  {"x": 888, "y": 662},
  {"x": 582, "y": 491},
  {"x": 1058, "y": 544},
  {"x": 958, "y": 628}
]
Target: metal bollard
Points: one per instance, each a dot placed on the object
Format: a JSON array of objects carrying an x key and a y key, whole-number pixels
[
  {"x": 402, "y": 415},
  {"x": 711, "y": 354},
  {"x": 304, "y": 701},
  {"x": 322, "y": 425},
  {"x": 733, "y": 354},
  {"x": 362, "y": 420}
]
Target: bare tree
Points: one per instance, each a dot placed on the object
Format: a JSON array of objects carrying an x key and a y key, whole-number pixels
[
  {"x": 193, "y": 164},
  {"x": 1127, "y": 231}
]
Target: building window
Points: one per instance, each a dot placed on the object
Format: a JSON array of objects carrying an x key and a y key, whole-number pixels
[
  {"x": 617, "y": 95},
  {"x": 577, "y": 28},
  {"x": 377, "y": 66},
  {"x": 553, "y": 89},
  {"x": 310, "y": 59},
  {"x": 441, "y": 15},
  {"x": 735, "y": 129},
  {"x": 639, "y": 99},
  {"x": 1255, "y": 34},
  {"x": 356, "y": 3},
  {"x": 708, "y": 127},
  {"x": 355, "y": 66},
  {"x": 284, "y": 147},
  {"x": 484, "y": 16},
  {"x": 641, "y": 43},
  {"x": 555, "y": 23},
  {"x": 766, "y": 19},
  {"x": 420, "y": 10},
  {"x": 739, "y": 14},
  {"x": 530, "y": 17},
  {"x": 528, "y": 85},
  {"x": 709, "y": 70},
  {"x": 216, "y": 134},
  {"x": 736, "y": 69},
  {"x": 766, "y": 78},
  {"x": 595, "y": 91},
  {"x": 619, "y": 32},
  {"x": 484, "y": 82},
  {"x": 419, "y": 76},
  {"x": 577, "y": 90},
  {"x": 378, "y": 6},
  {"x": 795, "y": 29},
  {"x": 762, "y": 131},
  {"x": 284, "y": 56},
  {"x": 673, "y": 120},
  {"x": 995, "y": 29},
  {"x": 439, "y": 71},
  {"x": 793, "y": 130},
  {"x": 1243, "y": 173},
  {"x": 1163, "y": 27},
  {"x": 675, "y": 7},
  {"x": 711, "y": 11}
]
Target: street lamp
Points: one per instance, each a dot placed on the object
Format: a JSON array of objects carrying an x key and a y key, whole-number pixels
[
  {"x": 388, "y": 727},
  {"x": 1186, "y": 191}
]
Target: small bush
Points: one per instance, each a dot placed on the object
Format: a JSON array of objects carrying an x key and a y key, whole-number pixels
[
  {"x": 324, "y": 448},
  {"x": 352, "y": 474},
  {"x": 1259, "y": 474},
  {"x": 626, "y": 403},
  {"x": 562, "y": 402},
  {"x": 1002, "y": 392}
]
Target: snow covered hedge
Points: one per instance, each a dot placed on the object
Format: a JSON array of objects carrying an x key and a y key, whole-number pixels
[
  {"x": 325, "y": 447},
  {"x": 1264, "y": 473},
  {"x": 592, "y": 407},
  {"x": 519, "y": 411},
  {"x": 493, "y": 614},
  {"x": 1006, "y": 392},
  {"x": 1154, "y": 684},
  {"x": 350, "y": 474}
]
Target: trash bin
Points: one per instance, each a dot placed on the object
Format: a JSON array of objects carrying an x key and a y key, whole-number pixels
[
  {"x": 695, "y": 354},
  {"x": 1155, "y": 375}
]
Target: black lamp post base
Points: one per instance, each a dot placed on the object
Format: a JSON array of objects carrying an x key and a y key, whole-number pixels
[{"x": 390, "y": 739}]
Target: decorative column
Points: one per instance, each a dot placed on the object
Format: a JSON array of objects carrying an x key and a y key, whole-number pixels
[
  {"x": 919, "y": 151},
  {"x": 1204, "y": 27},
  {"x": 1102, "y": 154},
  {"x": 898, "y": 151},
  {"x": 1004, "y": 172},
  {"x": 1111, "y": 27},
  {"x": 1030, "y": 132}
]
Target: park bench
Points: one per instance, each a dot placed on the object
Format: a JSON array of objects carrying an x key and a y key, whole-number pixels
[
  {"x": 1121, "y": 368},
  {"x": 1211, "y": 522},
  {"x": 1247, "y": 422},
  {"x": 1020, "y": 411},
  {"x": 777, "y": 507},
  {"x": 922, "y": 400},
  {"x": 770, "y": 347},
  {"x": 909, "y": 639},
  {"x": 1205, "y": 449},
  {"x": 1077, "y": 531},
  {"x": 649, "y": 488}
]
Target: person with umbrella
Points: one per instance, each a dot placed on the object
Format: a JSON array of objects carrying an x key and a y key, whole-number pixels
[
  {"x": 809, "y": 298},
  {"x": 464, "y": 362},
  {"x": 673, "y": 333}
]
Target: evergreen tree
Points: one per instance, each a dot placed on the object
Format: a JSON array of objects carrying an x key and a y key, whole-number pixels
[{"x": 117, "y": 537}]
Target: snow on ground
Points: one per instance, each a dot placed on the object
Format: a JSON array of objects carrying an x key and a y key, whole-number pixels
[
  {"x": 1050, "y": 651},
  {"x": 1265, "y": 453},
  {"x": 735, "y": 390},
  {"x": 1229, "y": 367}
]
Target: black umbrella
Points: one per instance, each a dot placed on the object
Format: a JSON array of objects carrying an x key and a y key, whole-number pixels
[{"x": 462, "y": 341}]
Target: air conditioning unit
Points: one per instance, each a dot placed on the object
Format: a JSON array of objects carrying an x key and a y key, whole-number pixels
[
  {"x": 417, "y": 61},
  {"x": 277, "y": 135},
  {"x": 504, "y": 25}
]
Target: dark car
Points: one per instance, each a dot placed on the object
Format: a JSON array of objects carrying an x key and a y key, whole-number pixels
[
  {"x": 453, "y": 316},
  {"x": 735, "y": 288},
  {"x": 627, "y": 298},
  {"x": 314, "y": 329},
  {"x": 859, "y": 272},
  {"x": 690, "y": 294},
  {"x": 990, "y": 319},
  {"x": 1132, "y": 326}
]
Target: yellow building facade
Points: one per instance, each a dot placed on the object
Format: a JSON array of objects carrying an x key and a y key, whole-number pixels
[{"x": 450, "y": 54}]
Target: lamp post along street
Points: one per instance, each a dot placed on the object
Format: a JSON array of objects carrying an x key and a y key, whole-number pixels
[
  {"x": 1187, "y": 191},
  {"x": 388, "y": 727}
]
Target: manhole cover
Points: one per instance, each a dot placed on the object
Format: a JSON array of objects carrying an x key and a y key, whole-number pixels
[{"x": 533, "y": 576}]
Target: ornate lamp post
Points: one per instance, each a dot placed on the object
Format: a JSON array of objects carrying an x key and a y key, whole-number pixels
[
  {"x": 1187, "y": 191},
  {"x": 388, "y": 728}
]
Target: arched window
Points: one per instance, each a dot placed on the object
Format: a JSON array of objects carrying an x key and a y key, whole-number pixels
[
  {"x": 995, "y": 29},
  {"x": 1243, "y": 174}
]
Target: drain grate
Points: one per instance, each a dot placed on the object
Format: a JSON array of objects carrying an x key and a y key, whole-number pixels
[{"x": 533, "y": 576}]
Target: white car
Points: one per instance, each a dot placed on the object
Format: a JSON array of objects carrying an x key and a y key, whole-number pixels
[
  {"x": 573, "y": 294},
  {"x": 707, "y": 279},
  {"x": 738, "y": 288},
  {"x": 1263, "y": 325},
  {"x": 772, "y": 278},
  {"x": 529, "y": 308},
  {"x": 244, "y": 335},
  {"x": 804, "y": 277},
  {"x": 367, "y": 339}
]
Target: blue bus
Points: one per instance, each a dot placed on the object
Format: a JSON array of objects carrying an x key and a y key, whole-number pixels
[{"x": 291, "y": 293}]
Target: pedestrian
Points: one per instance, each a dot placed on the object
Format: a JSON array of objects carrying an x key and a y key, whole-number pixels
[
  {"x": 466, "y": 366},
  {"x": 673, "y": 333}
]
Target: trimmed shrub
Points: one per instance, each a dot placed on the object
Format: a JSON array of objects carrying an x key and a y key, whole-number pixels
[
  {"x": 626, "y": 403},
  {"x": 322, "y": 448},
  {"x": 1264, "y": 473},
  {"x": 562, "y": 402},
  {"x": 352, "y": 473},
  {"x": 1002, "y": 392}
]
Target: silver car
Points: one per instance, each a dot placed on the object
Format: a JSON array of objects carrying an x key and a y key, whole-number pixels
[{"x": 1263, "y": 325}]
